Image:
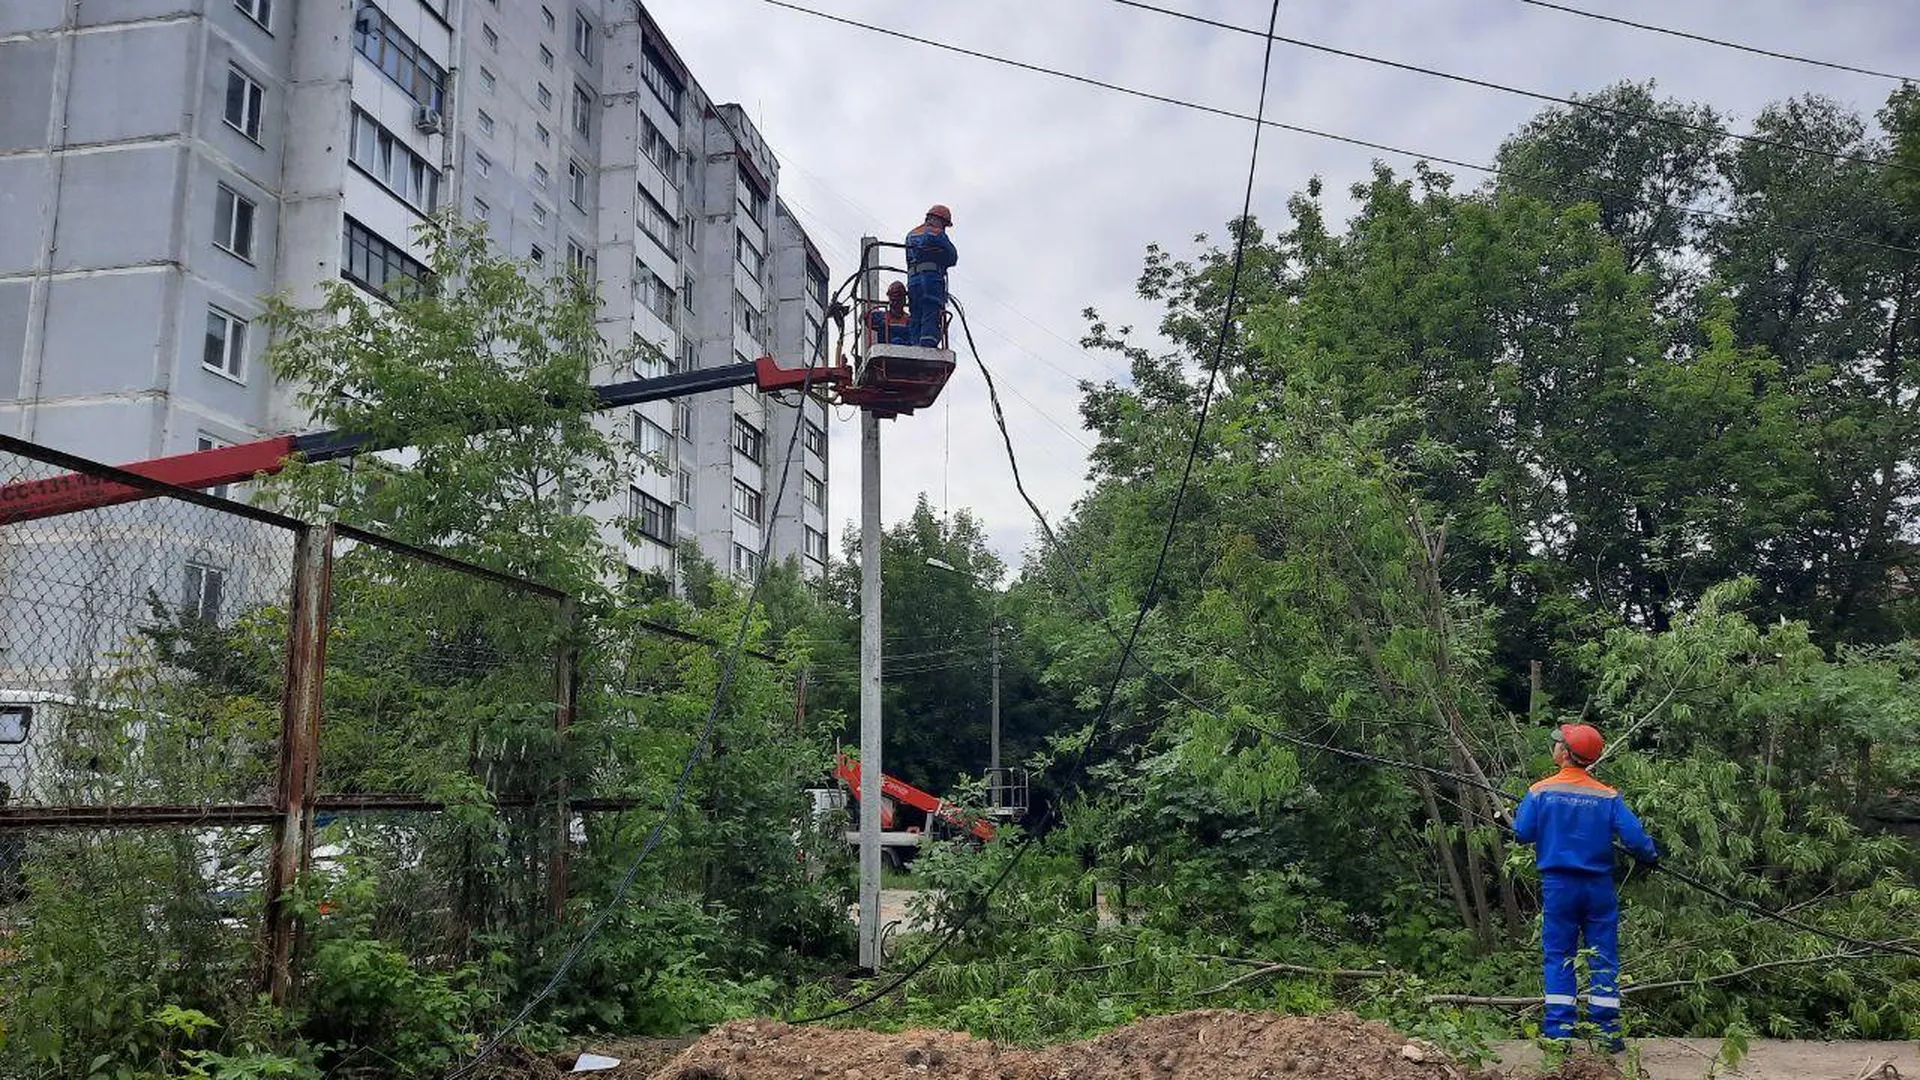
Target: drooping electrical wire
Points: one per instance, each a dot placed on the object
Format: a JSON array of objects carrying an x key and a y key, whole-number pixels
[
  {"x": 700, "y": 746},
  {"x": 979, "y": 902}
]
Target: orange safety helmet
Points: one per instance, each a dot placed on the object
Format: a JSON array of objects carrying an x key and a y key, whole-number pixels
[
  {"x": 940, "y": 211},
  {"x": 1583, "y": 742}
]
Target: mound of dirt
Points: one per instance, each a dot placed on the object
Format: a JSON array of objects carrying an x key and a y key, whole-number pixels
[{"x": 1201, "y": 1045}]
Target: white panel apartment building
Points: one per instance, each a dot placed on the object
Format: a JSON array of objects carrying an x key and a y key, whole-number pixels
[{"x": 166, "y": 163}]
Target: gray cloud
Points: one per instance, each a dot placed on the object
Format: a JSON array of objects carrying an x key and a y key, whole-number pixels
[{"x": 1057, "y": 188}]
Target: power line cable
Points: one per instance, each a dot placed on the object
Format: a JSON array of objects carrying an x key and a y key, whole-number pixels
[
  {"x": 1721, "y": 42},
  {"x": 979, "y": 902},
  {"x": 1350, "y": 140},
  {"x": 1365, "y": 757},
  {"x": 1537, "y": 95},
  {"x": 572, "y": 955}
]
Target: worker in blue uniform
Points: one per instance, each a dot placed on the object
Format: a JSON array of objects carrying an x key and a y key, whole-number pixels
[
  {"x": 929, "y": 256},
  {"x": 891, "y": 325},
  {"x": 1572, "y": 820}
]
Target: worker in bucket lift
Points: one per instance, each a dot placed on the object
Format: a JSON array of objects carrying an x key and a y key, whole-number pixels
[
  {"x": 1572, "y": 819},
  {"x": 929, "y": 256},
  {"x": 890, "y": 325}
]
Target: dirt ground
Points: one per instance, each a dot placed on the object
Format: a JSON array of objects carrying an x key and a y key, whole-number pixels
[
  {"x": 1766, "y": 1059},
  {"x": 1203, "y": 1045},
  {"x": 1206, "y": 1045}
]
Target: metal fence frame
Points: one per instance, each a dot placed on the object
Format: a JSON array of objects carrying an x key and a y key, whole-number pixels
[{"x": 295, "y": 799}]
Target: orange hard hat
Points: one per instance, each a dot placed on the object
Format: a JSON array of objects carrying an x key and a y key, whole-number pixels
[
  {"x": 940, "y": 211},
  {"x": 1583, "y": 742},
  {"x": 896, "y": 289}
]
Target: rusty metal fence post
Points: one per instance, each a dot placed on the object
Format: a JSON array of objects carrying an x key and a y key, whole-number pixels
[
  {"x": 566, "y": 663},
  {"x": 300, "y": 715}
]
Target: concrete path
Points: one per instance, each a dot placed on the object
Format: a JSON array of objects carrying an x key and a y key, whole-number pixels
[{"x": 1767, "y": 1059}]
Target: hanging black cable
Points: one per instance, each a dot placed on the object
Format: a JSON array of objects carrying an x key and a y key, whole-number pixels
[{"x": 979, "y": 902}]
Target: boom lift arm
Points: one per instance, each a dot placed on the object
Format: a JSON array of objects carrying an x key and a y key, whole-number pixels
[
  {"x": 847, "y": 771},
  {"x": 32, "y": 499}
]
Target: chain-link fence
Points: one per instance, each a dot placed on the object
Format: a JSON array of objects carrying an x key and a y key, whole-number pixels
[{"x": 204, "y": 705}]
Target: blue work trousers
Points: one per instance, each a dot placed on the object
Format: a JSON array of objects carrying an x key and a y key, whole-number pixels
[
  {"x": 926, "y": 301},
  {"x": 1576, "y": 907}
]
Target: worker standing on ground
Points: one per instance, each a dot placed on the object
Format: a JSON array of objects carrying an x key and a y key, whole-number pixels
[
  {"x": 929, "y": 256},
  {"x": 891, "y": 325},
  {"x": 1572, "y": 820}
]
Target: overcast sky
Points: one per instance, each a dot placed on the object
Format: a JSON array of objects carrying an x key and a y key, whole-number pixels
[{"x": 1057, "y": 188}]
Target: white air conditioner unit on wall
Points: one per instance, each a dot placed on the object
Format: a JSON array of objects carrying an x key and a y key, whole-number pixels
[{"x": 429, "y": 120}]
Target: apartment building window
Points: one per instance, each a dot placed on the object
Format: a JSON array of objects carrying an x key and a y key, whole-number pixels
[
  {"x": 244, "y": 100},
  {"x": 373, "y": 263},
  {"x": 386, "y": 157},
  {"x": 751, "y": 199},
  {"x": 540, "y": 132},
  {"x": 260, "y": 11},
  {"x": 539, "y": 214},
  {"x": 686, "y": 230},
  {"x": 653, "y": 292},
  {"x": 683, "y": 417},
  {"x": 546, "y": 17},
  {"x": 816, "y": 545},
  {"x": 683, "y": 487},
  {"x": 233, "y": 215},
  {"x": 817, "y": 283},
  {"x": 813, "y": 489},
  {"x": 686, "y": 292},
  {"x": 651, "y": 362},
  {"x": 388, "y": 48},
  {"x": 537, "y": 255},
  {"x": 545, "y": 95},
  {"x": 482, "y": 166},
  {"x": 748, "y": 440},
  {"x": 656, "y": 222},
  {"x": 204, "y": 585},
  {"x": 746, "y": 315},
  {"x": 582, "y": 112},
  {"x": 226, "y": 349},
  {"x": 487, "y": 82},
  {"x": 204, "y": 442},
  {"x": 746, "y": 560},
  {"x": 480, "y": 209},
  {"x": 660, "y": 78},
  {"x": 583, "y": 37},
  {"x": 651, "y": 438},
  {"x": 486, "y": 123},
  {"x": 747, "y": 502},
  {"x": 689, "y": 360},
  {"x": 814, "y": 437},
  {"x": 577, "y": 184},
  {"x": 654, "y": 518},
  {"x": 492, "y": 39},
  {"x": 581, "y": 262},
  {"x": 658, "y": 148},
  {"x": 749, "y": 256}
]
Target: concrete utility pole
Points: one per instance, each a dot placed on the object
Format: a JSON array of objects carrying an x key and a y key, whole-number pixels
[
  {"x": 994, "y": 784},
  {"x": 870, "y": 764}
]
